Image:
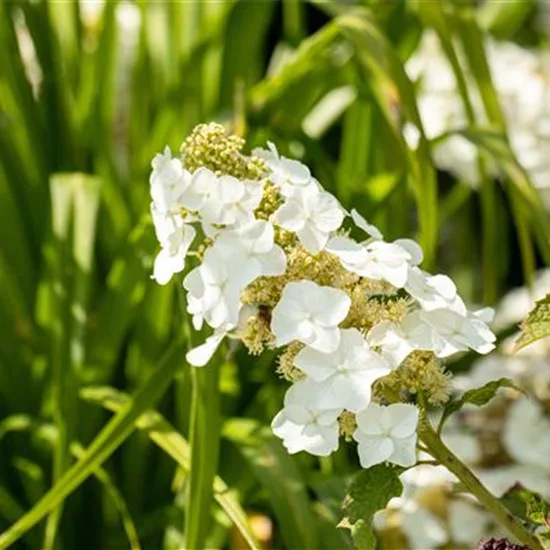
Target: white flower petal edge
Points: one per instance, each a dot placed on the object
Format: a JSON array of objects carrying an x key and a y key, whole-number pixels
[
  {"x": 363, "y": 224},
  {"x": 199, "y": 356}
]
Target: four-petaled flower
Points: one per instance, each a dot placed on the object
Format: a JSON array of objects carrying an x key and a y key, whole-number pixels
[
  {"x": 387, "y": 434},
  {"x": 377, "y": 259},
  {"x": 310, "y": 313},
  {"x": 345, "y": 376},
  {"x": 305, "y": 426},
  {"x": 284, "y": 172},
  {"x": 312, "y": 214}
]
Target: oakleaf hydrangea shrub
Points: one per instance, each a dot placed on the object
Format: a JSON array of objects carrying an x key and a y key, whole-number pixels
[{"x": 269, "y": 260}]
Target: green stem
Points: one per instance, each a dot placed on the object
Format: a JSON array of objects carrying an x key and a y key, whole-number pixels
[
  {"x": 446, "y": 457},
  {"x": 205, "y": 441}
]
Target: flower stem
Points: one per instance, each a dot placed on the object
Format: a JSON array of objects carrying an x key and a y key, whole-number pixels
[
  {"x": 446, "y": 457},
  {"x": 205, "y": 439}
]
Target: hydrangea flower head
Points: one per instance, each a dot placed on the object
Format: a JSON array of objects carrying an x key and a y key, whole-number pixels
[{"x": 266, "y": 258}]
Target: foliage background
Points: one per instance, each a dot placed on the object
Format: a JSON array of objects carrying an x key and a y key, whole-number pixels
[{"x": 85, "y": 102}]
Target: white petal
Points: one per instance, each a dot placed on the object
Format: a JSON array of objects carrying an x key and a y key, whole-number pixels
[
  {"x": 316, "y": 364},
  {"x": 404, "y": 451},
  {"x": 486, "y": 314},
  {"x": 313, "y": 239},
  {"x": 165, "y": 266},
  {"x": 352, "y": 394},
  {"x": 290, "y": 216},
  {"x": 298, "y": 173},
  {"x": 374, "y": 451},
  {"x": 325, "y": 443},
  {"x": 199, "y": 356},
  {"x": 413, "y": 248},
  {"x": 332, "y": 307},
  {"x": 403, "y": 419},
  {"x": 370, "y": 421},
  {"x": 443, "y": 285},
  {"x": 368, "y": 228},
  {"x": 326, "y": 339},
  {"x": 274, "y": 262},
  {"x": 229, "y": 189}
]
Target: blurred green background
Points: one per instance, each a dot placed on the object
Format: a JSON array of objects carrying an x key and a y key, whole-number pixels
[{"x": 89, "y": 92}]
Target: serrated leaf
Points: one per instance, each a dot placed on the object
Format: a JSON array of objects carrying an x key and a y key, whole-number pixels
[
  {"x": 478, "y": 396},
  {"x": 527, "y": 505},
  {"x": 369, "y": 491},
  {"x": 536, "y": 325}
]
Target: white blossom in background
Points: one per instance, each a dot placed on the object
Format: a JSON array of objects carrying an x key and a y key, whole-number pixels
[
  {"x": 266, "y": 259},
  {"x": 522, "y": 81}
]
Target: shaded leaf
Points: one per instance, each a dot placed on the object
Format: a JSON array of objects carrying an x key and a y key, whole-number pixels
[
  {"x": 478, "y": 396},
  {"x": 536, "y": 325},
  {"x": 369, "y": 491}
]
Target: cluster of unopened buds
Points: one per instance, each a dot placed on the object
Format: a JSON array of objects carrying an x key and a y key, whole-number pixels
[{"x": 276, "y": 266}]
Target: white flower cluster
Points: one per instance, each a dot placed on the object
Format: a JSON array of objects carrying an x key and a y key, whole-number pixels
[
  {"x": 522, "y": 80},
  {"x": 337, "y": 360}
]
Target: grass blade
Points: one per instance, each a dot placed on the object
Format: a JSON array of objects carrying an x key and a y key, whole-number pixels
[
  {"x": 168, "y": 439},
  {"x": 115, "y": 432},
  {"x": 277, "y": 472}
]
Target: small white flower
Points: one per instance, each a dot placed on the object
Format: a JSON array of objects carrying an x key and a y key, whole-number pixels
[
  {"x": 171, "y": 259},
  {"x": 453, "y": 332},
  {"x": 467, "y": 522},
  {"x": 397, "y": 340},
  {"x": 284, "y": 172},
  {"x": 168, "y": 181},
  {"x": 260, "y": 253},
  {"x": 377, "y": 260},
  {"x": 345, "y": 375},
  {"x": 368, "y": 228},
  {"x": 310, "y": 313},
  {"x": 214, "y": 287},
  {"x": 387, "y": 434},
  {"x": 527, "y": 433},
  {"x": 312, "y": 214},
  {"x": 421, "y": 527},
  {"x": 302, "y": 425},
  {"x": 231, "y": 201},
  {"x": 443, "y": 331},
  {"x": 431, "y": 292}
]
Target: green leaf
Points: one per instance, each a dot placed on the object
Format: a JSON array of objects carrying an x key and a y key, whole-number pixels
[
  {"x": 369, "y": 491},
  {"x": 536, "y": 325},
  {"x": 527, "y": 505},
  {"x": 503, "y": 19},
  {"x": 478, "y": 396}
]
